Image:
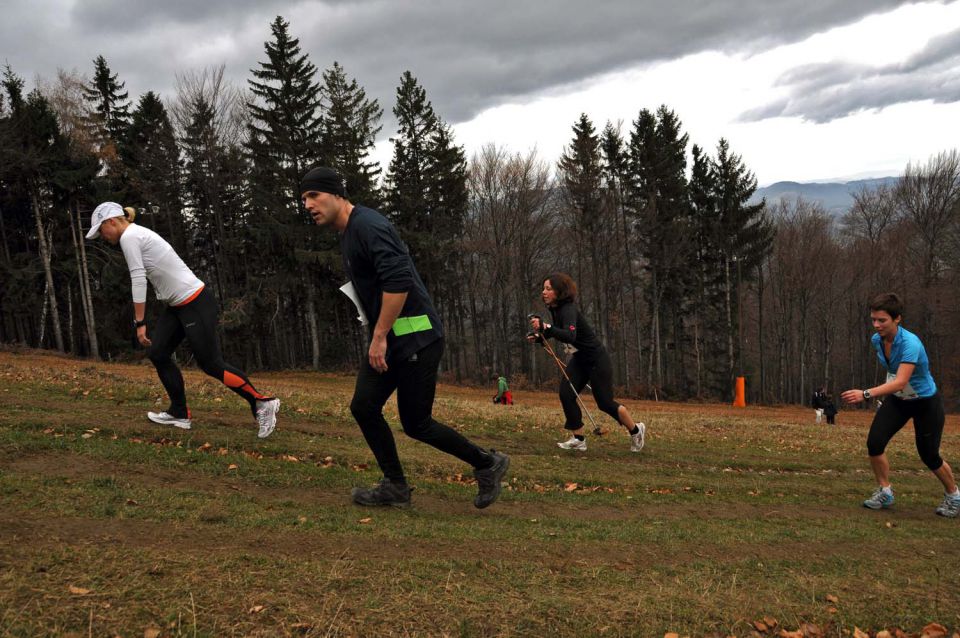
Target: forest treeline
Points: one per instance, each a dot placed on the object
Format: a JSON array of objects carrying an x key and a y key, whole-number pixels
[{"x": 687, "y": 281}]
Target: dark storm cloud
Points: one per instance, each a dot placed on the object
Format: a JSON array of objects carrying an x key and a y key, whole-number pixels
[
  {"x": 824, "y": 92},
  {"x": 469, "y": 55},
  {"x": 110, "y": 16}
]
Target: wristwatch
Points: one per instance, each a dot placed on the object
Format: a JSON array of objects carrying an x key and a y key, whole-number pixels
[
  {"x": 866, "y": 394},
  {"x": 139, "y": 322}
]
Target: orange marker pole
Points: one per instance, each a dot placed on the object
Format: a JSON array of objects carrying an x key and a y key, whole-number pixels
[{"x": 739, "y": 396}]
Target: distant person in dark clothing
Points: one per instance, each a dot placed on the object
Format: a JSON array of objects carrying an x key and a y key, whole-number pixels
[
  {"x": 830, "y": 409},
  {"x": 590, "y": 363},
  {"x": 406, "y": 344}
]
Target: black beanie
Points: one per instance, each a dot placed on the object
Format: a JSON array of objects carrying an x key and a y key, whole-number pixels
[{"x": 323, "y": 180}]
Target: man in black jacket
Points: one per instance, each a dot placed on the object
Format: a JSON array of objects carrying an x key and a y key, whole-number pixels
[{"x": 406, "y": 343}]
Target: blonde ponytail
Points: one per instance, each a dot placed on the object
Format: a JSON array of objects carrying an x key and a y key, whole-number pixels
[{"x": 129, "y": 213}]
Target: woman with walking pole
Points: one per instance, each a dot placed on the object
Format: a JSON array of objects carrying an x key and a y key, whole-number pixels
[
  {"x": 590, "y": 363},
  {"x": 910, "y": 393},
  {"x": 190, "y": 313}
]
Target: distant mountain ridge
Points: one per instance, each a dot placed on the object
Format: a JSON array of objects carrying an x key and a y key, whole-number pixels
[{"x": 835, "y": 197}]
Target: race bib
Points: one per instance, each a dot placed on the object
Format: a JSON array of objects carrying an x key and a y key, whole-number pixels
[{"x": 907, "y": 393}]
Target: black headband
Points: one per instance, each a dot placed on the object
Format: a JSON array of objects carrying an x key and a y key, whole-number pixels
[{"x": 323, "y": 180}]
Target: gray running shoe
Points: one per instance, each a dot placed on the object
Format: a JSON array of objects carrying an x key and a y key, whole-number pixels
[
  {"x": 637, "y": 440},
  {"x": 165, "y": 418},
  {"x": 573, "y": 443},
  {"x": 386, "y": 492},
  {"x": 488, "y": 480},
  {"x": 267, "y": 417},
  {"x": 879, "y": 500},
  {"x": 950, "y": 507}
]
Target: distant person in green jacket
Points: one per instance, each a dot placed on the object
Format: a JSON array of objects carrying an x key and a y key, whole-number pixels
[{"x": 504, "y": 395}]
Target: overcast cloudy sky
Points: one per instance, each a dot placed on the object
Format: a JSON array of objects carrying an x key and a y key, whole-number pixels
[{"x": 803, "y": 89}]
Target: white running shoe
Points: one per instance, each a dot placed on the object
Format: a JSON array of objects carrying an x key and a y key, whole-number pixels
[
  {"x": 637, "y": 440},
  {"x": 573, "y": 443},
  {"x": 164, "y": 418},
  {"x": 267, "y": 417},
  {"x": 950, "y": 507}
]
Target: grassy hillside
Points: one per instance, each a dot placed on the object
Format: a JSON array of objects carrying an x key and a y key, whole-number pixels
[{"x": 730, "y": 522}]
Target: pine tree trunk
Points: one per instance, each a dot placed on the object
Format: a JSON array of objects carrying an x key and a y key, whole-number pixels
[
  {"x": 3, "y": 239},
  {"x": 46, "y": 257},
  {"x": 43, "y": 315},
  {"x": 622, "y": 350},
  {"x": 634, "y": 318},
  {"x": 21, "y": 333},
  {"x": 697, "y": 356},
  {"x": 86, "y": 299},
  {"x": 312, "y": 323},
  {"x": 728, "y": 304},
  {"x": 654, "y": 366},
  {"x": 763, "y": 376},
  {"x": 73, "y": 345}
]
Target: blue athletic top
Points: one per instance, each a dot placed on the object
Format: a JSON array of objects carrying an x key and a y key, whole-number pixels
[{"x": 907, "y": 348}]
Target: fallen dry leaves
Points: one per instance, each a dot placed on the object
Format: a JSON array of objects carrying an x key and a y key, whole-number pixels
[
  {"x": 934, "y": 630},
  {"x": 760, "y": 626},
  {"x": 78, "y": 591}
]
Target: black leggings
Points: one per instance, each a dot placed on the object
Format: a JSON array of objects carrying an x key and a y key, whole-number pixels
[
  {"x": 415, "y": 381},
  {"x": 197, "y": 322},
  {"x": 599, "y": 374},
  {"x": 927, "y": 415}
]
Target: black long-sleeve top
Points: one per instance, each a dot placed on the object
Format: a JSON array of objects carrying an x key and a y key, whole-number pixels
[
  {"x": 377, "y": 261},
  {"x": 569, "y": 326}
]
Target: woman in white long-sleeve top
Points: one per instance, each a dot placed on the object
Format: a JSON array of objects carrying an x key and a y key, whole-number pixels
[{"x": 191, "y": 313}]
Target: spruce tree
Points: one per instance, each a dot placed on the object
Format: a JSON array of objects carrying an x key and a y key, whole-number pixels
[
  {"x": 285, "y": 140},
  {"x": 36, "y": 154},
  {"x": 711, "y": 375},
  {"x": 349, "y": 127},
  {"x": 108, "y": 123},
  {"x": 745, "y": 237},
  {"x": 153, "y": 164},
  {"x": 426, "y": 186},
  {"x": 448, "y": 202},
  {"x": 580, "y": 171},
  {"x": 406, "y": 187},
  {"x": 657, "y": 196},
  {"x": 285, "y": 118},
  {"x": 615, "y": 171}
]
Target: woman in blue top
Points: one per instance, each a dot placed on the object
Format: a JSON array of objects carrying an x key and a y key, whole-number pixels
[{"x": 911, "y": 394}]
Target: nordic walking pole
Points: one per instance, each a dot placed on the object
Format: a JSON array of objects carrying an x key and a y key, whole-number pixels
[{"x": 597, "y": 430}]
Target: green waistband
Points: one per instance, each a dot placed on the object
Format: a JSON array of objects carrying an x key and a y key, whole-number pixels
[{"x": 407, "y": 325}]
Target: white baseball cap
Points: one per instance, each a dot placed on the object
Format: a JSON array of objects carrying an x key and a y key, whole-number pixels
[{"x": 104, "y": 211}]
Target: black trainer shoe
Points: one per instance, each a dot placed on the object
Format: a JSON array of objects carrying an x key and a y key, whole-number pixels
[
  {"x": 385, "y": 492},
  {"x": 488, "y": 480}
]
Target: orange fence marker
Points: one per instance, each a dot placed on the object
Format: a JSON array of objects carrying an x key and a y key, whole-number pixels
[{"x": 739, "y": 397}]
